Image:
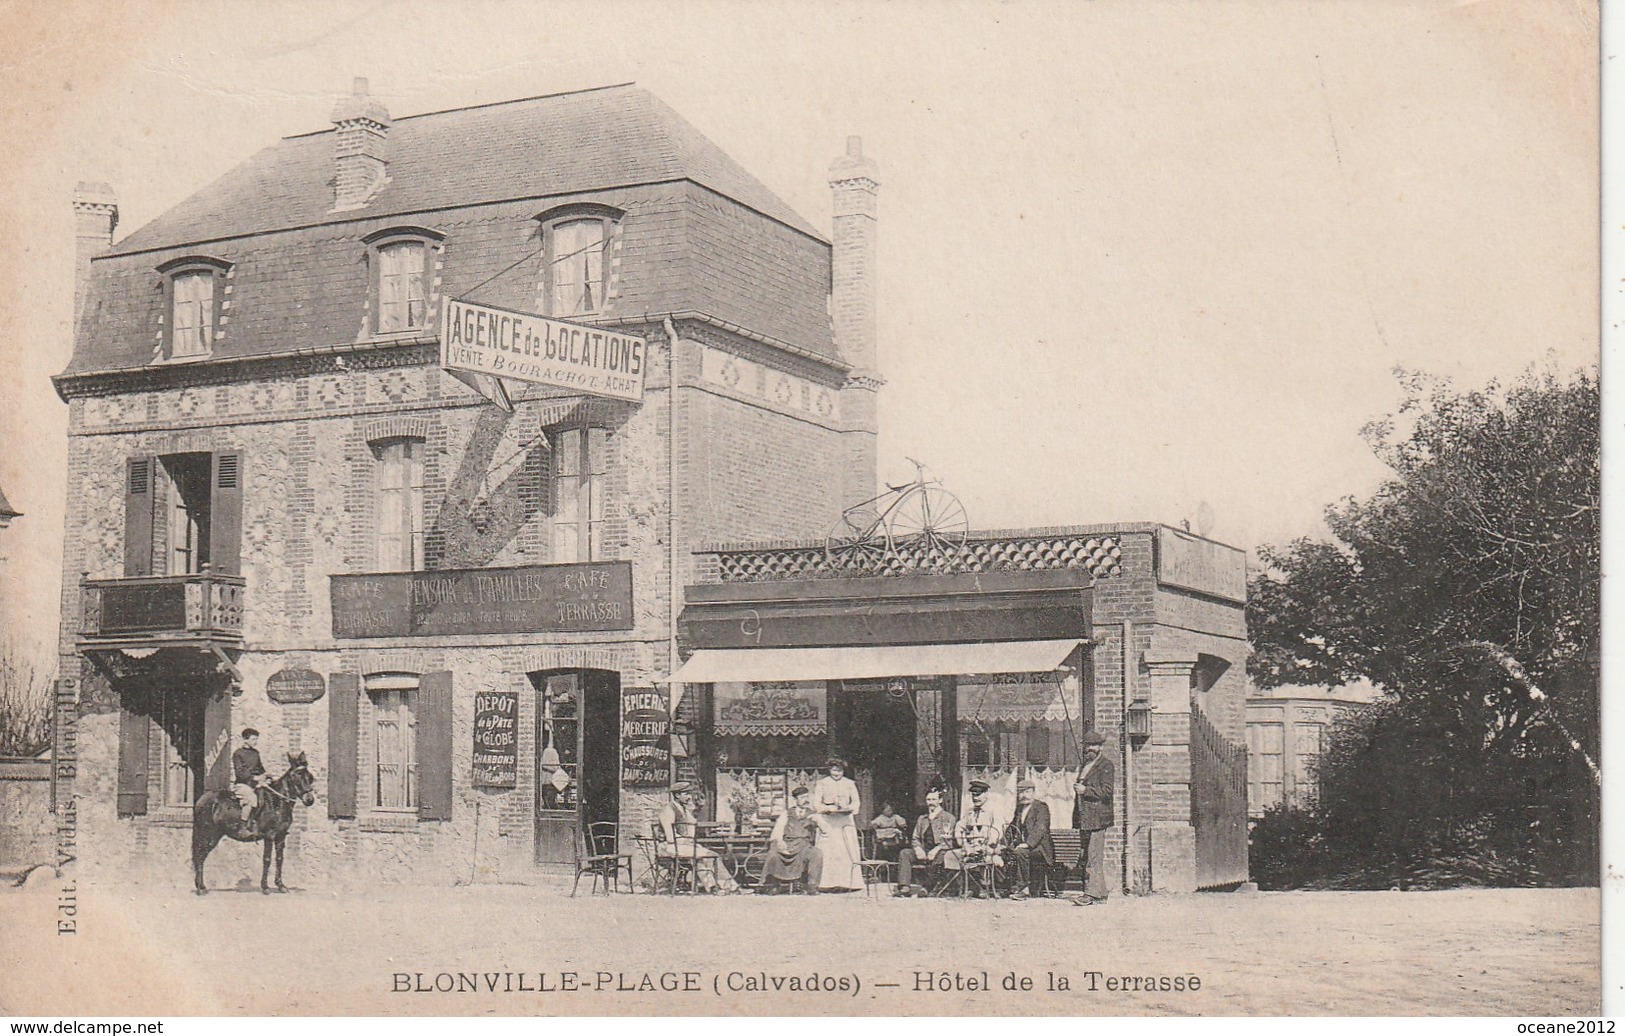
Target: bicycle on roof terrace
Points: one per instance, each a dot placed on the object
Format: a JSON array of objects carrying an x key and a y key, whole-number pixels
[{"x": 919, "y": 520}]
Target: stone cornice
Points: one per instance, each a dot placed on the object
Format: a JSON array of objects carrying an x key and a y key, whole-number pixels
[{"x": 410, "y": 352}]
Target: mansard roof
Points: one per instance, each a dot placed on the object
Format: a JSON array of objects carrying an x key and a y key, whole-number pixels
[{"x": 700, "y": 235}]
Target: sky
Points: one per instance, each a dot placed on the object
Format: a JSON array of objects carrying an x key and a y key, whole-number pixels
[{"x": 1134, "y": 256}]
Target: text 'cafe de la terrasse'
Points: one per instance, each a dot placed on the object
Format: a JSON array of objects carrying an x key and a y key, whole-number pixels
[{"x": 493, "y": 606}]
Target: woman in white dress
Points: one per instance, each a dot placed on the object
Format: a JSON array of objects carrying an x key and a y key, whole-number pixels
[{"x": 836, "y": 799}]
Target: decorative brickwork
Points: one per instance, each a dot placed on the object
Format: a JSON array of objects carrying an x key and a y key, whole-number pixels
[{"x": 1100, "y": 556}]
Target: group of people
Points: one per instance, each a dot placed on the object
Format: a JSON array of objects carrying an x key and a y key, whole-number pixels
[{"x": 814, "y": 842}]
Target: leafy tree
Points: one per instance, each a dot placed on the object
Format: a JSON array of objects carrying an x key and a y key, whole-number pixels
[{"x": 1467, "y": 586}]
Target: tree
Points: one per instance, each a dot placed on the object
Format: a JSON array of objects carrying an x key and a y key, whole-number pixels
[
  {"x": 25, "y": 701},
  {"x": 1468, "y": 587}
]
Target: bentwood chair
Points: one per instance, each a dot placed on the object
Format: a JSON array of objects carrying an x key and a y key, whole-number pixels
[
  {"x": 598, "y": 853},
  {"x": 667, "y": 867},
  {"x": 876, "y": 871}
]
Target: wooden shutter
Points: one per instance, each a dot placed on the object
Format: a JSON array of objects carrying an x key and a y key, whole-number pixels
[
  {"x": 134, "y": 732},
  {"x": 433, "y": 710},
  {"x": 343, "y": 719},
  {"x": 217, "y": 741},
  {"x": 226, "y": 514},
  {"x": 139, "y": 473}
]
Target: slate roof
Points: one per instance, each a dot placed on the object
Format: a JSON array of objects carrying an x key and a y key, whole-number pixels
[{"x": 699, "y": 235}]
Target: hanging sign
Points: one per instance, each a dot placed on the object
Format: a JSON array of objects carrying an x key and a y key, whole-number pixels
[
  {"x": 295, "y": 686},
  {"x": 496, "y": 739},
  {"x": 485, "y": 346},
  {"x": 645, "y": 737}
]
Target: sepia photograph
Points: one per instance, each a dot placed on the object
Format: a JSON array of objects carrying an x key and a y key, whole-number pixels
[{"x": 834, "y": 509}]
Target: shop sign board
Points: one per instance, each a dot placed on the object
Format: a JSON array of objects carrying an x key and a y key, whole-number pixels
[
  {"x": 1193, "y": 563},
  {"x": 295, "y": 686},
  {"x": 645, "y": 737},
  {"x": 496, "y": 739},
  {"x": 590, "y": 597},
  {"x": 486, "y": 346}
]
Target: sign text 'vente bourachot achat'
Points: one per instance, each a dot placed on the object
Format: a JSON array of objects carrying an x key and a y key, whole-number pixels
[{"x": 501, "y": 343}]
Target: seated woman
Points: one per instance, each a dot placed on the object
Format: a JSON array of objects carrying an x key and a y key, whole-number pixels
[
  {"x": 792, "y": 854},
  {"x": 676, "y": 842},
  {"x": 891, "y": 833}
]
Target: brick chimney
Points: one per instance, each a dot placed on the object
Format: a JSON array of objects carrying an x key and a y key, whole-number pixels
[
  {"x": 853, "y": 179},
  {"x": 361, "y": 134},
  {"x": 95, "y": 215}
]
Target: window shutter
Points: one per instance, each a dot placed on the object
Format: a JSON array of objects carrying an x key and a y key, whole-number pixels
[
  {"x": 343, "y": 718},
  {"x": 434, "y": 746},
  {"x": 217, "y": 741},
  {"x": 138, "y": 495},
  {"x": 134, "y": 730},
  {"x": 226, "y": 514}
]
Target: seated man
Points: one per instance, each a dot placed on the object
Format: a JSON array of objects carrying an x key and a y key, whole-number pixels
[
  {"x": 792, "y": 854},
  {"x": 978, "y": 835},
  {"x": 248, "y": 773},
  {"x": 933, "y": 838},
  {"x": 1031, "y": 847},
  {"x": 676, "y": 829},
  {"x": 891, "y": 833}
]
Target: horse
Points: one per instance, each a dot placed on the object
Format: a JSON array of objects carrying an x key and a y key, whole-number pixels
[{"x": 218, "y": 814}]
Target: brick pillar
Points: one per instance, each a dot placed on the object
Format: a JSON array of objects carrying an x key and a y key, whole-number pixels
[
  {"x": 852, "y": 178},
  {"x": 1165, "y": 761}
]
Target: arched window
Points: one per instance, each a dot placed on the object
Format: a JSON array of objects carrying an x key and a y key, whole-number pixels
[
  {"x": 401, "y": 259},
  {"x": 194, "y": 290},
  {"x": 577, "y": 241}
]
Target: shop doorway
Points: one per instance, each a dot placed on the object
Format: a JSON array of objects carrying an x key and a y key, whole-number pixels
[
  {"x": 875, "y": 730},
  {"x": 577, "y": 765}
]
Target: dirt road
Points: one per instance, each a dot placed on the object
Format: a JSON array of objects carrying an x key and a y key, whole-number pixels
[{"x": 526, "y": 950}]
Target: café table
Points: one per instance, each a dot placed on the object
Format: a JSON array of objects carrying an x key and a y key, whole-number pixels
[{"x": 744, "y": 853}]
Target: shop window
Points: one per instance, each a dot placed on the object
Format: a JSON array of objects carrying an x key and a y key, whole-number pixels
[
  {"x": 560, "y": 758},
  {"x": 395, "y": 737},
  {"x": 401, "y": 261},
  {"x": 1020, "y": 720},
  {"x": 580, "y": 461},
  {"x": 183, "y": 513},
  {"x": 576, "y": 244},
  {"x": 400, "y": 530}
]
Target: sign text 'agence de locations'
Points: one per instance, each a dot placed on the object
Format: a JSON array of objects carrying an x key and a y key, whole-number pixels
[{"x": 521, "y": 347}]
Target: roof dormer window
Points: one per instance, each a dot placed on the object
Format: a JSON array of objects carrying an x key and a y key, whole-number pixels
[
  {"x": 194, "y": 297},
  {"x": 402, "y": 261},
  {"x": 577, "y": 243}
]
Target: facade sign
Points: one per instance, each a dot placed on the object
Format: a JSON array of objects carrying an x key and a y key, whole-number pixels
[
  {"x": 590, "y": 597},
  {"x": 496, "y": 739},
  {"x": 487, "y": 343},
  {"x": 645, "y": 737},
  {"x": 295, "y": 687},
  {"x": 1196, "y": 564}
]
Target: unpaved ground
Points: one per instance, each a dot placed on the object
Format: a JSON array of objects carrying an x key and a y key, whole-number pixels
[{"x": 164, "y": 952}]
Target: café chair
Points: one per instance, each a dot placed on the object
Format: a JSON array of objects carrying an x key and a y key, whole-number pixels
[
  {"x": 875, "y": 870},
  {"x": 598, "y": 853}
]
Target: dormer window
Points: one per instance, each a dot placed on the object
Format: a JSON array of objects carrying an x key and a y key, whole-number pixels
[
  {"x": 577, "y": 242},
  {"x": 194, "y": 294},
  {"x": 402, "y": 262}
]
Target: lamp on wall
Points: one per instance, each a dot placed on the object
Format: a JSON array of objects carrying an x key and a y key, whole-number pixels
[{"x": 1139, "y": 720}]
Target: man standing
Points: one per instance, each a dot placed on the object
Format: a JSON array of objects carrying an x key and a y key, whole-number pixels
[
  {"x": 1033, "y": 849},
  {"x": 792, "y": 856},
  {"x": 1093, "y": 815},
  {"x": 248, "y": 773},
  {"x": 933, "y": 837}
]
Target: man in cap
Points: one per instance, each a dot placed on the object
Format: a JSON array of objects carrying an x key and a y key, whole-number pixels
[
  {"x": 792, "y": 854},
  {"x": 978, "y": 835},
  {"x": 1031, "y": 847},
  {"x": 1092, "y": 814},
  {"x": 248, "y": 772}
]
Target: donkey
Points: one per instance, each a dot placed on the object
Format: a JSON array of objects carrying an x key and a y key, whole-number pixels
[{"x": 217, "y": 815}]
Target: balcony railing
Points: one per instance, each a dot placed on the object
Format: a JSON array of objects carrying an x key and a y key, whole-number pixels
[{"x": 206, "y": 606}]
